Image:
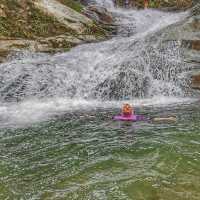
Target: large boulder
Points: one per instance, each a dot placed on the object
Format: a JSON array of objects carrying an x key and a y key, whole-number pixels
[{"x": 64, "y": 14}]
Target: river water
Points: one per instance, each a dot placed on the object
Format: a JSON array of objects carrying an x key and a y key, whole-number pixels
[{"x": 57, "y": 137}]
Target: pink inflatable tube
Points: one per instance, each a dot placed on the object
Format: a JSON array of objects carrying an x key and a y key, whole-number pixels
[{"x": 133, "y": 118}]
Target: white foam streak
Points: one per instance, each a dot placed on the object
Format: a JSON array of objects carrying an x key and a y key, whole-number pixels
[{"x": 33, "y": 111}]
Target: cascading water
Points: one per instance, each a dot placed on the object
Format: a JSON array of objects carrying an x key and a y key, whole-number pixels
[{"x": 135, "y": 63}]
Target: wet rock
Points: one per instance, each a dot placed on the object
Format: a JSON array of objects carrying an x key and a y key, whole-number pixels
[
  {"x": 124, "y": 85},
  {"x": 102, "y": 17},
  {"x": 191, "y": 44},
  {"x": 196, "y": 23},
  {"x": 196, "y": 45},
  {"x": 99, "y": 14},
  {"x": 51, "y": 44},
  {"x": 3, "y": 55},
  {"x": 55, "y": 44},
  {"x": 196, "y": 9},
  {"x": 7, "y": 45},
  {"x": 62, "y": 42},
  {"x": 196, "y": 82}
]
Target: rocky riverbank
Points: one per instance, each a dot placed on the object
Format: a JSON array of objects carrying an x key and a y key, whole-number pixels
[{"x": 49, "y": 25}]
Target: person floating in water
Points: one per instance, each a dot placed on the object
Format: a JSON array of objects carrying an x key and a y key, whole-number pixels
[
  {"x": 127, "y": 114},
  {"x": 127, "y": 110}
]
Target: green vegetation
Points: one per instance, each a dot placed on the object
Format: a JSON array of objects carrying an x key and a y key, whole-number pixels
[
  {"x": 11, "y": 4},
  {"x": 44, "y": 26},
  {"x": 75, "y": 5}
]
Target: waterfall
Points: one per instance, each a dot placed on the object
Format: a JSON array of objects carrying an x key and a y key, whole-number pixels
[
  {"x": 137, "y": 63},
  {"x": 134, "y": 66}
]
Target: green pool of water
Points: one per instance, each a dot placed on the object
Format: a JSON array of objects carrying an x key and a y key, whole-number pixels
[{"x": 87, "y": 156}]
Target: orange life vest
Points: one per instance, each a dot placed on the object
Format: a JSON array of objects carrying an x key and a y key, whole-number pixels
[{"x": 127, "y": 109}]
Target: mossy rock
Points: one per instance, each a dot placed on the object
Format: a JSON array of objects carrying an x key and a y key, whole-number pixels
[
  {"x": 24, "y": 21},
  {"x": 29, "y": 22},
  {"x": 95, "y": 30},
  {"x": 75, "y": 5}
]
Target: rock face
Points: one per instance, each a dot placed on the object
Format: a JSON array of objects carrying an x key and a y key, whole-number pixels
[
  {"x": 192, "y": 44},
  {"x": 196, "y": 45},
  {"x": 101, "y": 16},
  {"x": 187, "y": 33},
  {"x": 8, "y": 44},
  {"x": 47, "y": 25},
  {"x": 196, "y": 82},
  {"x": 64, "y": 14},
  {"x": 48, "y": 45}
]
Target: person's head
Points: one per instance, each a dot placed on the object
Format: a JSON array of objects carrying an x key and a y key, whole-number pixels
[{"x": 127, "y": 109}]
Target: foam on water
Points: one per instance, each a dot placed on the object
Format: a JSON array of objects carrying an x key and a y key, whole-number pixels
[{"x": 33, "y": 111}]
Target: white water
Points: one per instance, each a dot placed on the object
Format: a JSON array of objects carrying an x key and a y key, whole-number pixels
[
  {"x": 33, "y": 111},
  {"x": 129, "y": 66}
]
